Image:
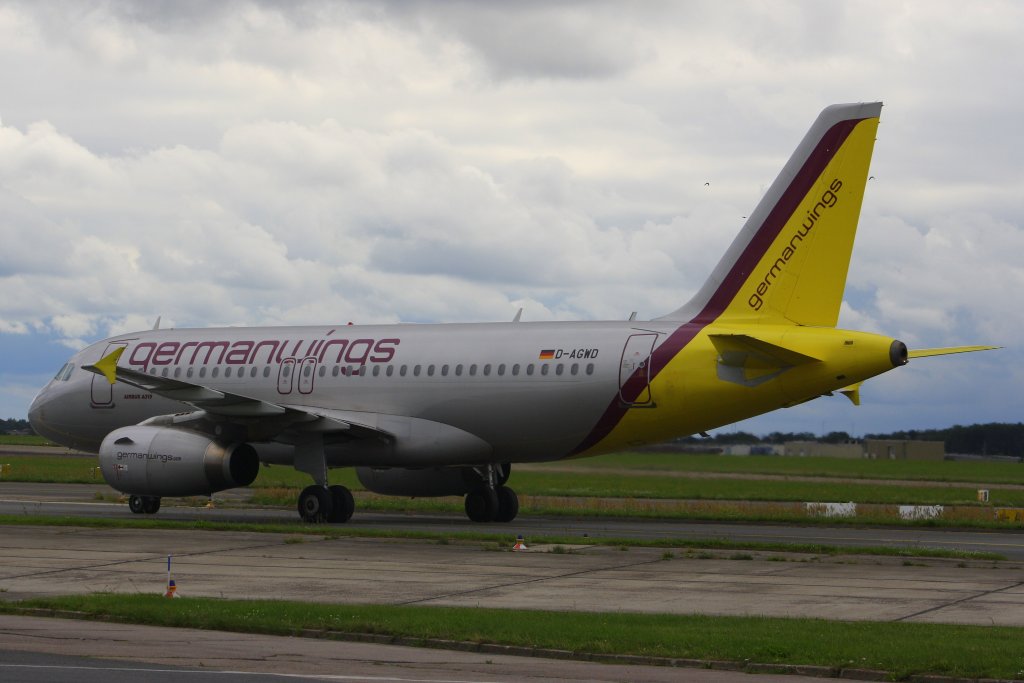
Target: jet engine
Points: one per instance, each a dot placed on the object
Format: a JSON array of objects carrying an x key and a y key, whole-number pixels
[{"x": 163, "y": 461}]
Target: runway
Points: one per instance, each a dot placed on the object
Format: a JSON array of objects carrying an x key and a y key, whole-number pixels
[{"x": 37, "y": 561}]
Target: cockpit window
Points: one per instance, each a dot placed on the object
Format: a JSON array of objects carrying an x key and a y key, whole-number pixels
[{"x": 64, "y": 373}]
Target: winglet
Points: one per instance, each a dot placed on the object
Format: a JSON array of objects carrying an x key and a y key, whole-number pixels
[{"x": 108, "y": 364}]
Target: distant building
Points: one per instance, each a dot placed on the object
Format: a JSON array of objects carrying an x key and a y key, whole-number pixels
[
  {"x": 826, "y": 450},
  {"x": 752, "y": 449},
  {"x": 892, "y": 449}
]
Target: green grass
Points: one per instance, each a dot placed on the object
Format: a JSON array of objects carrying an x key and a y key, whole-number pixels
[
  {"x": 59, "y": 469},
  {"x": 12, "y": 440},
  {"x": 924, "y": 470},
  {"x": 901, "y": 649}
]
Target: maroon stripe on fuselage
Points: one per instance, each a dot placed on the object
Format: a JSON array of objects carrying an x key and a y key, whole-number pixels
[{"x": 787, "y": 204}]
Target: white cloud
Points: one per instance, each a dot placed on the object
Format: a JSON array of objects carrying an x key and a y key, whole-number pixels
[{"x": 263, "y": 163}]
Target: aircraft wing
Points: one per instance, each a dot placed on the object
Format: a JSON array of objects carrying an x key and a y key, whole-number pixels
[{"x": 218, "y": 403}]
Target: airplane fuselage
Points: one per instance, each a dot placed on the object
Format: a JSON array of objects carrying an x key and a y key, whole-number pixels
[{"x": 531, "y": 391}]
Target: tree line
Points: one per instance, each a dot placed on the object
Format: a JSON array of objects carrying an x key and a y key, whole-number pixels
[{"x": 992, "y": 438}]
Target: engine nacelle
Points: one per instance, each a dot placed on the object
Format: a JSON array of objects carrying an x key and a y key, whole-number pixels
[
  {"x": 165, "y": 461},
  {"x": 418, "y": 483}
]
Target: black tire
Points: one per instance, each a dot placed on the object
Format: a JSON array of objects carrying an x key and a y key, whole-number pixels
[
  {"x": 136, "y": 504},
  {"x": 342, "y": 505},
  {"x": 315, "y": 504},
  {"x": 482, "y": 505},
  {"x": 508, "y": 505},
  {"x": 150, "y": 504}
]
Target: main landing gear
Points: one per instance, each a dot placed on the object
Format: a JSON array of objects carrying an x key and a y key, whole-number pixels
[
  {"x": 320, "y": 503},
  {"x": 332, "y": 504},
  {"x": 144, "y": 504},
  {"x": 490, "y": 500}
]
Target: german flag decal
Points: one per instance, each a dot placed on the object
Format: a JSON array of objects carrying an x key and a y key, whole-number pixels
[{"x": 547, "y": 354}]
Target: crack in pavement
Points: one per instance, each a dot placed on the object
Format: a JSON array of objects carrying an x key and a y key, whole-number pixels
[{"x": 961, "y": 601}]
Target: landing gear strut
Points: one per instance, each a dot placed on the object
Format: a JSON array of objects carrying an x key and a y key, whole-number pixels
[
  {"x": 144, "y": 504},
  {"x": 320, "y": 503},
  {"x": 490, "y": 500}
]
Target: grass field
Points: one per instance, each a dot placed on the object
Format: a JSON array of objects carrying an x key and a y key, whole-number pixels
[
  {"x": 282, "y": 482},
  {"x": 901, "y": 649},
  {"x": 924, "y": 470}
]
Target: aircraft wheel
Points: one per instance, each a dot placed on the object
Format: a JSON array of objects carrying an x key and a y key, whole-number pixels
[
  {"x": 315, "y": 504},
  {"x": 150, "y": 504},
  {"x": 136, "y": 504},
  {"x": 482, "y": 504},
  {"x": 342, "y": 504},
  {"x": 508, "y": 504}
]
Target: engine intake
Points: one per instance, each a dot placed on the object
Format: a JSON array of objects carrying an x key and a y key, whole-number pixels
[{"x": 164, "y": 461}]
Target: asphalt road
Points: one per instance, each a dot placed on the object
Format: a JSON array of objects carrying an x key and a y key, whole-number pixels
[{"x": 79, "y": 500}]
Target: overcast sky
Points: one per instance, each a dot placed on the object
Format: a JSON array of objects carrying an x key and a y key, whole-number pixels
[{"x": 258, "y": 163}]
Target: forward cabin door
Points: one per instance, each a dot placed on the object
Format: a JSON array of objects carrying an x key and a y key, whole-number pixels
[
  {"x": 635, "y": 370},
  {"x": 102, "y": 392}
]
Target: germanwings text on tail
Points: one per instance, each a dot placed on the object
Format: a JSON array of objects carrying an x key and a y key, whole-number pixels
[{"x": 438, "y": 410}]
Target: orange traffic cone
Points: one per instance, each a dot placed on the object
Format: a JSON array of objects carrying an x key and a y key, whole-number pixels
[
  {"x": 171, "y": 590},
  {"x": 519, "y": 544}
]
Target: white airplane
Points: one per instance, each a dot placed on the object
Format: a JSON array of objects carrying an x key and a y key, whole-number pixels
[{"x": 434, "y": 410}]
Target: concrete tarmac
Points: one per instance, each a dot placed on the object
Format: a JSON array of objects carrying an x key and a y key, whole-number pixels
[{"x": 37, "y": 561}]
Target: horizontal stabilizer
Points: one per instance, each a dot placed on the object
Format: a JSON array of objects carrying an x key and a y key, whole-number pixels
[{"x": 926, "y": 353}]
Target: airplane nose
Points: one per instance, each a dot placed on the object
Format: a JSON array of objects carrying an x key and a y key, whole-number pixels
[{"x": 36, "y": 412}]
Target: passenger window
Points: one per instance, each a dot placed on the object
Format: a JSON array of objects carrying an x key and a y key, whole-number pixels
[
  {"x": 177, "y": 372},
  {"x": 202, "y": 372},
  {"x": 188, "y": 373},
  {"x": 391, "y": 370},
  {"x": 266, "y": 371},
  {"x": 430, "y": 371},
  {"x": 590, "y": 368},
  {"x": 416, "y": 371},
  {"x": 544, "y": 369},
  {"x": 472, "y": 370},
  {"x": 458, "y": 370},
  {"x": 252, "y": 372},
  {"x": 323, "y": 370},
  {"x": 335, "y": 370},
  {"x": 529, "y": 369},
  {"x": 227, "y": 371},
  {"x": 401, "y": 371},
  {"x": 376, "y": 371},
  {"x": 515, "y": 369},
  {"x": 444, "y": 370},
  {"x": 165, "y": 372},
  {"x": 501, "y": 369},
  {"x": 487, "y": 369},
  {"x": 559, "y": 369},
  {"x": 575, "y": 368}
]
